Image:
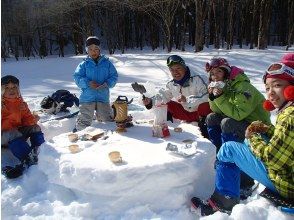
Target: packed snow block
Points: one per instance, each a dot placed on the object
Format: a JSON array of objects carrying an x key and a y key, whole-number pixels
[{"x": 147, "y": 173}]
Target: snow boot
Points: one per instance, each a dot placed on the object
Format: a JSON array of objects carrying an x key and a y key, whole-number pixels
[
  {"x": 245, "y": 192},
  {"x": 13, "y": 172},
  {"x": 217, "y": 202},
  {"x": 247, "y": 186},
  {"x": 276, "y": 199}
]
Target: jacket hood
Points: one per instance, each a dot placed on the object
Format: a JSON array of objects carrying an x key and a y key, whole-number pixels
[
  {"x": 235, "y": 71},
  {"x": 239, "y": 77}
]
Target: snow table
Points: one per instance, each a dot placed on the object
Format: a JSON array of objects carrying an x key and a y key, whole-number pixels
[{"x": 147, "y": 173}]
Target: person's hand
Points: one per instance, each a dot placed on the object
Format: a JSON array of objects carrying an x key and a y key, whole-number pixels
[
  {"x": 102, "y": 86},
  {"x": 146, "y": 101},
  {"x": 210, "y": 90},
  {"x": 37, "y": 117},
  {"x": 256, "y": 127},
  {"x": 182, "y": 99},
  {"x": 217, "y": 91},
  {"x": 93, "y": 84}
]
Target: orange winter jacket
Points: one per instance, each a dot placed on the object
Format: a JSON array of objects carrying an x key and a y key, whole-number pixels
[{"x": 15, "y": 114}]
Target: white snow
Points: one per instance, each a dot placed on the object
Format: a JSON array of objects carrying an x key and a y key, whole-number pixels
[{"x": 150, "y": 183}]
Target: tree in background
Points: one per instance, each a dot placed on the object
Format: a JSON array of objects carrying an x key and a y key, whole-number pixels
[{"x": 43, "y": 27}]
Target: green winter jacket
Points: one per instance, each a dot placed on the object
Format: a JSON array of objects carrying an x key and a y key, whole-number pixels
[
  {"x": 277, "y": 154},
  {"x": 241, "y": 101}
]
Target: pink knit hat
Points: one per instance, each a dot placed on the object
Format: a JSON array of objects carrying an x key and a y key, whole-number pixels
[{"x": 283, "y": 70}]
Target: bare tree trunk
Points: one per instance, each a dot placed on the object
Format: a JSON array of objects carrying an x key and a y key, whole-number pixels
[
  {"x": 256, "y": 6},
  {"x": 290, "y": 24},
  {"x": 16, "y": 52},
  {"x": 200, "y": 12},
  {"x": 222, "y": 22},
  {"x": 166, "y": 11},
  {"x": 230, "y": 31},
  {"x": 215, "y": 8},
  {"x": 183, "y": 33},
  {"x": 264, "y": 18},
  {"x": 61, "y": 43},
  {"x": 3, "y": 53},
  {"x": 43, "y": 48}
]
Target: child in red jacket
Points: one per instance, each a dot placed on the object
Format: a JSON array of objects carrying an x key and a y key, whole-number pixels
[{"x": 17, "y": 125}]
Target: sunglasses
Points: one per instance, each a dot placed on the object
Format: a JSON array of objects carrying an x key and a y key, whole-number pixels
[
  {"x": 174, "y": 59},
  {"x": 215, "y": 62}
]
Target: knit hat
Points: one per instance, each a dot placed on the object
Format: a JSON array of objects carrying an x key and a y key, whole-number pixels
[
  {"x": 288, "y": 59},
  {"x": 175, "y": 59},
  {"x": 283, "y": 70},
  {"x": 92, "y": 40},
  {"x": 9, "y": 79},
  {"x": 217, "y": 62}
]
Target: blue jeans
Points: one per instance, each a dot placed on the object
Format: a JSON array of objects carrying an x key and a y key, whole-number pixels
[{"x": 242, "y": 156}]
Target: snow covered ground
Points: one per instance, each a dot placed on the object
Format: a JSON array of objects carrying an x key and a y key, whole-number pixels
[{"x": 150, "y": 183}]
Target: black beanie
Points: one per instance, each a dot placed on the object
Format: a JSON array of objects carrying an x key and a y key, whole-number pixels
[
  {"x": 9, "y": 79},
  {"x": 92, "y": 40}
]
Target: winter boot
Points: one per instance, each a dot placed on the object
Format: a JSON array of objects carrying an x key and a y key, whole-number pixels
[
  {"x": 217, "y": 202},
  {"x": 247, "y": 186},
  {"x": 214, "y": 133},
  {"x": 276, "y": 199},
  {"x": 13, "y": 172}
]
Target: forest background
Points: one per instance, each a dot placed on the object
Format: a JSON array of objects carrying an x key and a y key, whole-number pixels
[{"x": 31, "y": 28}]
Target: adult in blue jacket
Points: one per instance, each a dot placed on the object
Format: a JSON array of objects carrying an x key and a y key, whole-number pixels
[{"x": 95, "y": 75}]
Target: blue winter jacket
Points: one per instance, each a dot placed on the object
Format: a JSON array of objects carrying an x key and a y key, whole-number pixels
[{"x": 102, "y": 72}]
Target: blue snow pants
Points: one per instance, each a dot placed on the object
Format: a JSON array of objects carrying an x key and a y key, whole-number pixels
[{"x": 241, "y": 155}]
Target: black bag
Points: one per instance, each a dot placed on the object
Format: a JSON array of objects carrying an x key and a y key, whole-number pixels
[{"x": 59, "y": 101}]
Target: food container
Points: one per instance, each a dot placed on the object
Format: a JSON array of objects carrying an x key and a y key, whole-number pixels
[
  {"x": 115, "y": 157},
  {"x": 73, "y": 137}
]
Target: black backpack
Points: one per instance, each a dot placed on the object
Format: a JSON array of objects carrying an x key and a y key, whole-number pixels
[{"x": 59, "y": 101}]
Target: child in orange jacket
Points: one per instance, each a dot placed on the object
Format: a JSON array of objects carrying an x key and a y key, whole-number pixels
[{"x": 17, "y": 125}]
